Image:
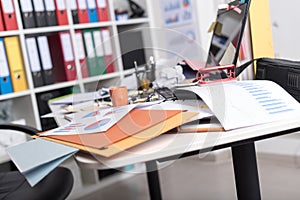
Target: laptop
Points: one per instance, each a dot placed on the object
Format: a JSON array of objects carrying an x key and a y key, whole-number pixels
[
  {"x": 229, "y": 28},
  {"x": 225, "y": 42}
]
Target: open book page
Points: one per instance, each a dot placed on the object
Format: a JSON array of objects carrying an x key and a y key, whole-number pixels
[{"x": 239, "y": 104}]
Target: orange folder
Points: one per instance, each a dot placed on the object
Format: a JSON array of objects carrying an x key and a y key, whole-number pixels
[
  {"x": 133, "y": 140},
  {"x": 133, "y": 123}
]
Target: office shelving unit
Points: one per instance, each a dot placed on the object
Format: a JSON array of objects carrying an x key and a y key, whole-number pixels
[{"x": 25, "y": 103}]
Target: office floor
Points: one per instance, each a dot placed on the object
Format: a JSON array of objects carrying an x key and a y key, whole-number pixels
[{"x": 193, "y": 178}]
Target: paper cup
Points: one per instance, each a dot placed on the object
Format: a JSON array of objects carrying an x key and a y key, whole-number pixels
[{"x": 119, "y": 96}]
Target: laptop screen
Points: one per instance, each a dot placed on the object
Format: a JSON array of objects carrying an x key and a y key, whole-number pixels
[{"x": 227, "y": 34}]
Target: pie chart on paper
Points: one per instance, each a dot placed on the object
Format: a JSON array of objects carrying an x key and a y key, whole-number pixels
[{"x": 97, "y": 124}]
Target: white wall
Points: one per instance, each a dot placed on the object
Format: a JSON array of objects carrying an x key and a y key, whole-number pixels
[
  {"x": 206, "y": 14},
  {"x": 285, "y": 28}
]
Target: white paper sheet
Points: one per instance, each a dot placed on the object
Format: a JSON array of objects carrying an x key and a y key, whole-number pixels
[
  {"x": 239, "y": 104},
  {"x": 95, "y": 121},
  {"x": 37, "y": 158},
  {"x": 188, "y": 105}
]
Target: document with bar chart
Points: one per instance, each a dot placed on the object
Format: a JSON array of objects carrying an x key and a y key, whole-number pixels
[{"x": 239, "y": 104}]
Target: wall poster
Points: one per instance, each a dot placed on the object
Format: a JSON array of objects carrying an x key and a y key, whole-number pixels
[{"x": 176, "y": 12}]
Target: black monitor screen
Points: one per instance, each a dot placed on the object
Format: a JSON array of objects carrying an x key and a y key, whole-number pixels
[
  {"x": 228, "y": 29},
  {"x": 132, "y": 48}
]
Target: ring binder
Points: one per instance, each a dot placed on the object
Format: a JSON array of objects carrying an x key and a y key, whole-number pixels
[
  {"x": 50, "y": 12},
  {"x": 39, "y": 13}
]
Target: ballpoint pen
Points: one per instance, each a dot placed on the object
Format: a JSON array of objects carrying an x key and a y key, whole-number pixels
[{"x": 153, "y": 66}]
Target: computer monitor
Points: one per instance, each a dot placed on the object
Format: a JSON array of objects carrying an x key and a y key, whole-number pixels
[
  {"x": 229, "y": 28},
  {"x": 132, "y": 49}
]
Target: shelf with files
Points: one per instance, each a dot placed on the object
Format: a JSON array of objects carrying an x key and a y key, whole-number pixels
[
  {"x": 40, "y": 30},
  {"x": 82, "y": 82}
]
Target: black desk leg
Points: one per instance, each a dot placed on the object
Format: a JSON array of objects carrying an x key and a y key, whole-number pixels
[
  {"x": 153, "y": 180},
  {"x": 245, "y": 170}
]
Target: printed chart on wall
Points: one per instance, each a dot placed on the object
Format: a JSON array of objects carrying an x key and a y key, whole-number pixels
[{"x": 176, "y": 12}]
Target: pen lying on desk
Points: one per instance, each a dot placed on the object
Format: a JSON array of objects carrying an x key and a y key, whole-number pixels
[{"x": 214, "y": 127}]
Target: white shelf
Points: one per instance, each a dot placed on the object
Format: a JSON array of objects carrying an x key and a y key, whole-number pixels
[
  {"x": 101, "y": 77},
  {"x": 132, "y": 21},
  {"x": 56, "y": 86},
  {"x": 46, "y": 29},
  {"x": 9, "y": 33},
  {"x": 92, "y": 25},
  {"x": 14, "y": 95}
]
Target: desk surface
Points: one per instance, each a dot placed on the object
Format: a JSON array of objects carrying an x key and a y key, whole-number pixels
[{"x": 169, "y": 145}]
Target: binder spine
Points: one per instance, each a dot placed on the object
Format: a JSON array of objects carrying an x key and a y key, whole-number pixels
[
  {"x": 102, "y": 7},
  {"x": 92, "y": 11},
  {"x": 61, "y": 12},
  {"x": 5, "y": 85},
  {"x": 81, "y": 54},
  {"x": 83, "y": 15},
  {"x": 74, "y": 11},
  {"x": 109, "y": 59},
  {"x": 5, "y": 80},
  {"x": 45, "y": 57},
  {"x": 9, "y": 15},
  {"x": 1, "y": 20},
  {"x": 15, "y": 61},
  {"x": 34, "y": 61},
  {"x": 39, "y": 13},
  {"x": 50, "y": 12},
  {"x": 57, "y": 58},
  {"x": 27, "y": 13},
  {"x": 67, "y": 50},
  {"x": 98, "y": 44},
  {"x": 90, "y": 53}
]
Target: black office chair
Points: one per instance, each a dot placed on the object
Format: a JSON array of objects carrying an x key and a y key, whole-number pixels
[{"x": 55, "y": 186}]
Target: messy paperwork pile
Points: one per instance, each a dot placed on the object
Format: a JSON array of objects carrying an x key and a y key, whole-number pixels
[
  {"x": 36, "y": 158},
  {"x": 235, "y": 105},
  {"x": 136, "y": 121}
]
